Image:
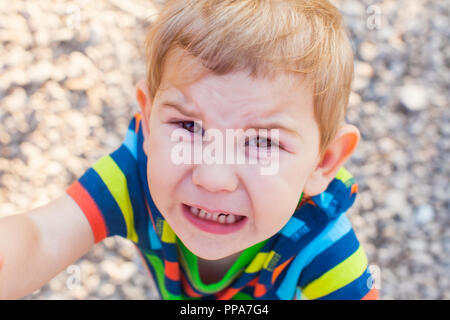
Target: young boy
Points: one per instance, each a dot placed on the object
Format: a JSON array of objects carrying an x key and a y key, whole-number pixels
[{"x": 221, "y": 230}]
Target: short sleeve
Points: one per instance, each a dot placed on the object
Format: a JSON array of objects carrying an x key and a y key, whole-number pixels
[
  {"x": 340, "y": 272},
  {"x": 110, "y": 192}
]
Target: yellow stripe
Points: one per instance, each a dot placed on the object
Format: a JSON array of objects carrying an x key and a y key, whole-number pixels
[
  {"x": 268, "y": 258},
  {"x": 343, "y": 175},
  {"x": 338, "y": 277},
  {"x": 257, "y": 263},
  {"x": 116, "y": 182},
  {"x": 168, "y": 235}
]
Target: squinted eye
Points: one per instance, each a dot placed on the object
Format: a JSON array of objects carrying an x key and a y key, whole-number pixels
[
  {"x": 261, "y": 142},
  {"x": 190, "y": 126}
]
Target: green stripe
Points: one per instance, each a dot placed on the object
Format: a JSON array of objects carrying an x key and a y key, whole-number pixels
[
  {"x": 159, "y": 271},
  {"x": 116, "y": 182},
  {"x": 190, "y": 264},
  {"x": 242, "y": 296}
]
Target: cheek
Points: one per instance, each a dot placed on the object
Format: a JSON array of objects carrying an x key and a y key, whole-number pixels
[
  {"x": 275, "y": 198},
  {"x": 162, "y": 174}
]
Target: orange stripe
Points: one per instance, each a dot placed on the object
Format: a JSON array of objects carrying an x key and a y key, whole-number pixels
[
  {"x": 260, "y": 290},
  {"x": 228, "y": 294},
  {"x": 172, "y": 270},
  {"x": 277, "y": 270},
  {"x": 138, "y": 117},
  {"x": 150, "y": 214},
  {"x": 188, "y": 289},
  {"x": 354, "y": 188},
  {"x": 90, "y": 210},
  {"x": 371, "y": 295},
  {"x": 253, "y": 282}
]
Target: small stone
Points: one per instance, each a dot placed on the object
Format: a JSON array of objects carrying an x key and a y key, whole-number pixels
[
  {"x": 354, "y": 99},
  {"x": 79, "y": 84},
  {"x": 40, "y": 72},
  {"x": 395, "y": 200},
  {"x": 119, "y": 272},
  {"x": 53, "y": 168},
  {"x": 368, "y": 50},
  {"x": 424, "y": 214},
  {"x": 363, "y": 69},
  {"x": 417, "y": 245},
  {"x": 386, "y": 145},
  {"x": 79, "y": 65},
  {"x": 133, "y": 293},
  {"x": 107, "y": 290},
  {"x": 413, "y": 97},
  {"x": 16, "y": 100},
  {"x": 17, "y": 76},
  {"x": 79, "y": 293},
  {"x": 91, "y": 282},
  {"x": 17, "y": 56}
]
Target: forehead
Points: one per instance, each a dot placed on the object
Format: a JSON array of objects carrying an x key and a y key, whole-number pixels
[{"x": 235, "y": 95}]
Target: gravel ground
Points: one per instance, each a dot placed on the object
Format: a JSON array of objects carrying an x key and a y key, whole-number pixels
[{"x": 67, "y": 75}]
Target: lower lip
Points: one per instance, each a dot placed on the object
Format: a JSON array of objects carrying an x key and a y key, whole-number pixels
[{"x": 212, "y": 226}]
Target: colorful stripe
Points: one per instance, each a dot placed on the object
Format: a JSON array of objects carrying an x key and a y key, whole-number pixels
[
  {"x": 338, "y": 277},
  {"x": 371, "y": 295},
  {"x": 114, "y": 179},
  {"x": 90, "y": 209},
  {"x": 331, "y": 233}
]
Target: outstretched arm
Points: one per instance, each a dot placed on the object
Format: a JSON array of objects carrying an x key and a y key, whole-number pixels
[{"x": 37, "y": 245}]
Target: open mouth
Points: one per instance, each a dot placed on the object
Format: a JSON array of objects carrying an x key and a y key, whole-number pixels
[{"x": 217, "y": 222}]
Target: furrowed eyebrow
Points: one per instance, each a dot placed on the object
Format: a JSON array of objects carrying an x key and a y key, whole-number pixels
[
  {"x": 262, "y": 125},
  {"x": 269, "y": 125},
  {"x": 181, "y": 109}
]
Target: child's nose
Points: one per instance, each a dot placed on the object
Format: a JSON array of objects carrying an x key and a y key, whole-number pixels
[{"x": 215, "y": 177}]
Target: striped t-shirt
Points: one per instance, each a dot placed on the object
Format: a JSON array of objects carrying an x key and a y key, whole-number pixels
[{"x": 316, "y": 255}]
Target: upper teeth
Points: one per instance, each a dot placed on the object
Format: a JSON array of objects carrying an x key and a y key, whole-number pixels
[{"x": 218, "y": 217}]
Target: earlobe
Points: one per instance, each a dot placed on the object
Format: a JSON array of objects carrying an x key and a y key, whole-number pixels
[{"x": 336, "y": 154}]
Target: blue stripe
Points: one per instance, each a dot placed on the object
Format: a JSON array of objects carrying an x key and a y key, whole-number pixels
[
  {"x": 128, "y": 165},
  {"x": 154, "y": 240},
  {"x": 110, "y": 210},
  {"x": 172, "y": 286},
  {"x": 292, "y": 226},
  {"x": 331, "y": 257},
  {"x": 331, "y": 233},
  {"x": 170, "y": 252},
  {"x": 131, "y": 142},
  {"x": 355, "y": 290}
]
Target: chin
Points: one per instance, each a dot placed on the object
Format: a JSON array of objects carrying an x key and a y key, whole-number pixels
[
  {"x": 212, "y": 256},
  {"x": 210, "y": 253}
]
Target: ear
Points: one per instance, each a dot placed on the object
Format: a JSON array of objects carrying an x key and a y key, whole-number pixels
[
  {"x": 334, "y": 157},
  {"x": 145, "y": 102}
]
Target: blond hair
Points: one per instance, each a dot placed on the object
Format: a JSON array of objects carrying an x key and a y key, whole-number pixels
[{"x": 266, "y": 37}]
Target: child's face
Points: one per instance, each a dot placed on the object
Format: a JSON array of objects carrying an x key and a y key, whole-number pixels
[{"x": 266, "y": 202}]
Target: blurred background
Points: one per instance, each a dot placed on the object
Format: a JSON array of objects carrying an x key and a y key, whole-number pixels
[{"x": 67, "y": 76}]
